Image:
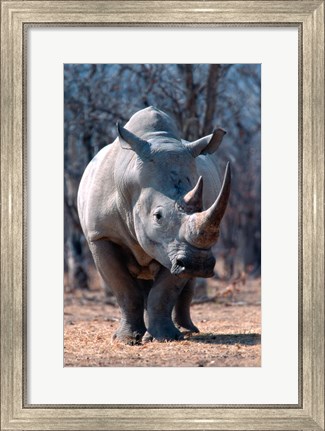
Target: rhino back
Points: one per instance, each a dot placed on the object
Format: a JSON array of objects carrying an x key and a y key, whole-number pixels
[
  {"x": 151, "y": 123},
  {"x": 98, "y": 195}
]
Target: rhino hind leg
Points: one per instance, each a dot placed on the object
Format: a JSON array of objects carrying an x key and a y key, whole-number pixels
[
  {"x": 109, "y": 261},
  {"x": 161, "y": 301},
  {"x": 181, "y": 312}
]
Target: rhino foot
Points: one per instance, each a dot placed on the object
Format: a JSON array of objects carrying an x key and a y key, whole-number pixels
[
  {"x": 189, "y": 327},
  {"x": 147, "y": 337},
  {"x": 186, "y": 324},
  {"x": 166, "y": 332},
  {"x": 128, "y": 336}
]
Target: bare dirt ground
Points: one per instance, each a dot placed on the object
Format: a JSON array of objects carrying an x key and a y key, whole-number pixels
[{"x": 230, "y": 325}]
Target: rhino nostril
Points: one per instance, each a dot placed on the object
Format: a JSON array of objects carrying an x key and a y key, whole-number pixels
[{"x": 180, "y": 263}]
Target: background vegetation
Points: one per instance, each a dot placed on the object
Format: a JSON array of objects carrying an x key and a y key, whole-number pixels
[{"x": 199, "y": 97}]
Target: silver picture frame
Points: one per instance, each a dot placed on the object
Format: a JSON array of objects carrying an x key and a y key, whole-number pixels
[{"x": 16, "y": 18}]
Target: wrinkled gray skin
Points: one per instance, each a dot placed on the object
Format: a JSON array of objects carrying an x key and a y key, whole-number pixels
[{"x": 148, "y": 226}]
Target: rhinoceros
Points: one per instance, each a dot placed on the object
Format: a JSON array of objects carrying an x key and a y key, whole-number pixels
[{"x": 150, "y": 206}]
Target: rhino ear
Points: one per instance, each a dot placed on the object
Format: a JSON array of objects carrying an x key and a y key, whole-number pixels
[
  {"x": 129, "y": 141},
  {"x": 207, "y": 145}
]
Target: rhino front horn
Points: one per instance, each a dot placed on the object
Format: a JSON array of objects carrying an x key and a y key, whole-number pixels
[{"x": 202, "y": 229}]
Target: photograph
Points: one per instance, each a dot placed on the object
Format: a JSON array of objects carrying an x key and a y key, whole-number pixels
[{"x": 162, "y": 215}]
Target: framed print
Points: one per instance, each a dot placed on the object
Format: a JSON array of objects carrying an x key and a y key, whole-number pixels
[
  {"x": 146, "y": 86},
  {"x": 71, "y": 67}
]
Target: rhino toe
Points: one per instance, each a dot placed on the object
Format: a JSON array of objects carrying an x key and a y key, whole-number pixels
[
  {"x": 189, "y": 327},
  {"x": 127, "y": 337},
  {"x": 170, "y": 333},
  {"x": 147, "y": 337}
]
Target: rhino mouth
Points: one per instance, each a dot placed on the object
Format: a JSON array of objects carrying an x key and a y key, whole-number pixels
[{"x": 186, "y": 267}]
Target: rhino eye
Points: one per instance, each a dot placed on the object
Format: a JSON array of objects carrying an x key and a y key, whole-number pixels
[{"x": 157, "y": 216}]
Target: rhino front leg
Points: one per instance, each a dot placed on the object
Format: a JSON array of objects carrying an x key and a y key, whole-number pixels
[
  {"x": 109, "y": 260},
  {"x": 161, "y": 301},
  {"x": 181, "y": 312}
]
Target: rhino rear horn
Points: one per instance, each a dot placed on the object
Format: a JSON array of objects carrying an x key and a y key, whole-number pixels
[
  {"x": 207, "y": 145},
  {"x": 193, "y": 199},
  {"x": 129, "y": 141}
]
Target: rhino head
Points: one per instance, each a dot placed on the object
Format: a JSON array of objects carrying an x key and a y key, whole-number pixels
[{"x": 170, "y": 222}]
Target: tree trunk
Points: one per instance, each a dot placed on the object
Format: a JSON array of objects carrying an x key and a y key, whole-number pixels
[
  {"x": 77, "y": 274},
  {"x": 211, "y": 98}
]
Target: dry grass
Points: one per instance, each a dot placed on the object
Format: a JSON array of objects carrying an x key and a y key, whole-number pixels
[{"x": 230, "y": 333}]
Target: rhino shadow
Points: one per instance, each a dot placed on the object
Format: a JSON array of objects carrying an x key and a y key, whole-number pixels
[{"x": 228, "y": 339}]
